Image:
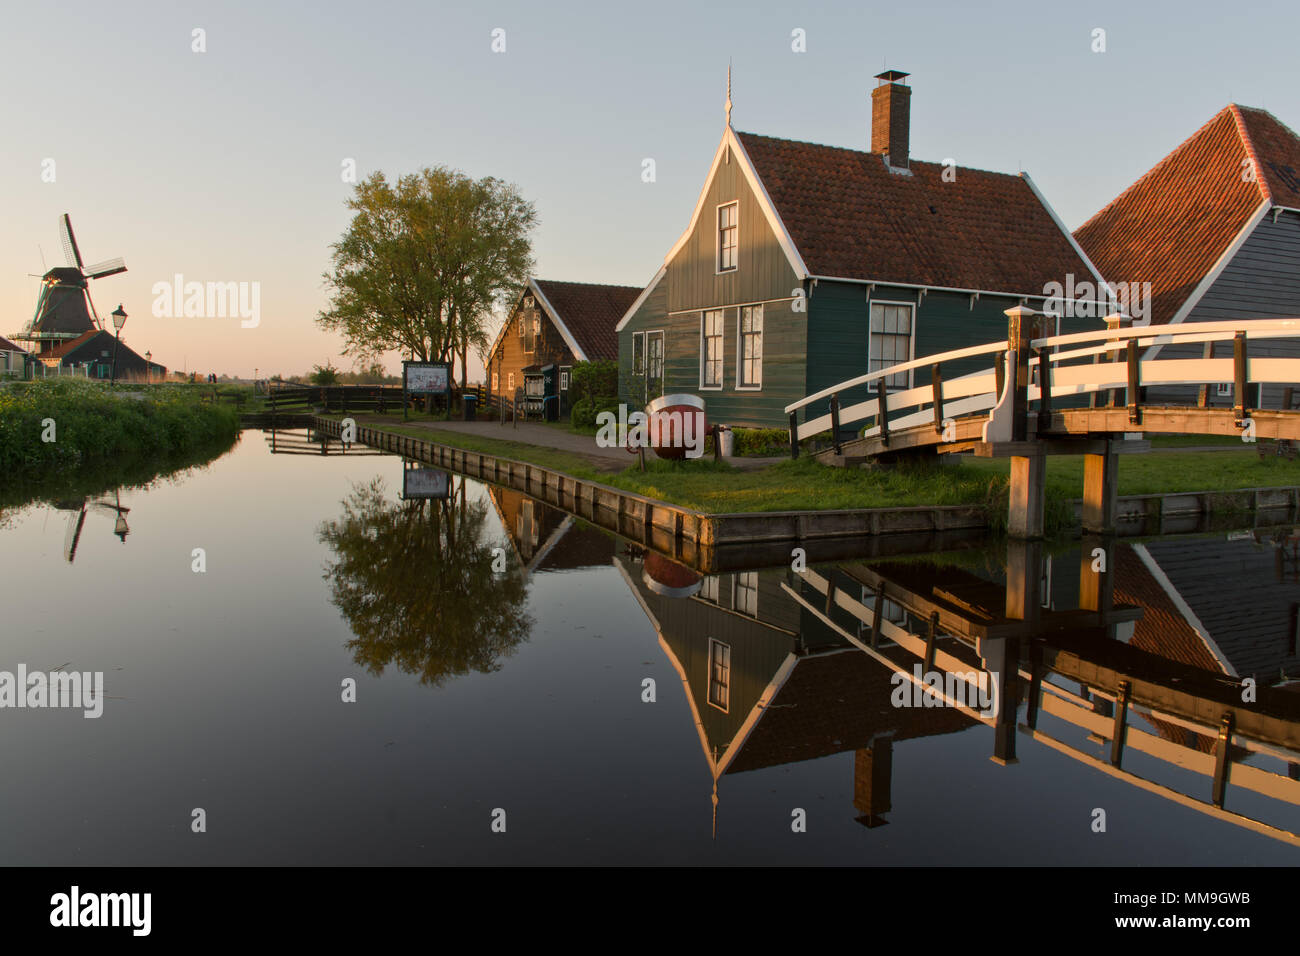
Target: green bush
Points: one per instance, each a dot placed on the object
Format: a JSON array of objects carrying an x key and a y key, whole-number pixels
[
  {"x": 583, "y": 415},
  {"x": 760, "y": 442},
  {"x": 593, "y": 380},
  {"x": 93, "y": 422}
]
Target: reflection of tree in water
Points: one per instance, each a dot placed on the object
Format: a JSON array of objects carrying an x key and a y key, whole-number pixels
[{"x": 414, "y": 580}]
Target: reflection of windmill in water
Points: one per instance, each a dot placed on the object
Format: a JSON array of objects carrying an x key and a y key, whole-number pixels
[
  {"x": 77, "y": 519},
  {"x": 64, "y": 309}
]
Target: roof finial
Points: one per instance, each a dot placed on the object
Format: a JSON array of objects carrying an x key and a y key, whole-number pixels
[{"x": 728, "y": 92}]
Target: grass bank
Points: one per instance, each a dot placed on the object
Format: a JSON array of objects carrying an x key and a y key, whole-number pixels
[
  {"x": 805, "y": 485},
  {"x": 54, "y": 427}
]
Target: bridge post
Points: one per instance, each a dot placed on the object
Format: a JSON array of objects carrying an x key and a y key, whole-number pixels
[
  {"x": 1027, "y": 495},
  {"x": 1020, "y": 327},
  {"x": 794, "y": 434},
  {"x": 1100, "y": 481},
  {"x": 835, "y": 422},
  {"x": 1114, "y": 321}
]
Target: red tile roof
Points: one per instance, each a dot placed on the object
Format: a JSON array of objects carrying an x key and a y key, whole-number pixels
[
  {"x": 1172, "y": 225},
  {"x": 851, "y": 217},
  {"x": 7, "y": 346},
  {"x": 590, "y": 312}
]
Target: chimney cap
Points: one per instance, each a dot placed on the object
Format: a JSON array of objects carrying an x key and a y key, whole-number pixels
[{"x": 891, "y": 76}]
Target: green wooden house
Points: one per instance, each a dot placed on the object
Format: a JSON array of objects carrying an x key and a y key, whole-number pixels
[{"x": 806, "y": 265}]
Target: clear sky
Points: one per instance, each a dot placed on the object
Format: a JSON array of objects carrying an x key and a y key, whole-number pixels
[{"x": 225, "y": 165}]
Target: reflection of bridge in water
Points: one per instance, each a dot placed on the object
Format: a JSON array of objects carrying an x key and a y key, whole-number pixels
[
  {"x": 1099, "y": 665},
  {"x": 310, "y": 441}
]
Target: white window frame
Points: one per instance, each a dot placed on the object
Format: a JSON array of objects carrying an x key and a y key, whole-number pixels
[
  {"x": 564, "y": 378},
  {"x": 496, "y": 383},
  {"x": 510, "y": 384},
  {"x": 722, "y": 349},
  {"x": 663, "y": 361},
  {"x": 746, "y": 582},
  {"x": 911, "y": 340},
  {"x": 741, "y": 384},
  {"x": 1224, "y": 390},
  {"x": 719, "y": 268},
  {"x": 724, "y": 684},
  {"x": 638, "y": 369}
]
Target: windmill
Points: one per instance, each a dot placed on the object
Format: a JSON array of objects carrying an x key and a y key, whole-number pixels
[{"x": 64, "y": 310}]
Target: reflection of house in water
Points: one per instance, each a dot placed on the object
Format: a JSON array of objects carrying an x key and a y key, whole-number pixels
[
  {"x": 1224, "y": 604},
  {"x": 1094, "y": 653},
  {"x": 547, "y": 539},
  {"x": 769, "y": 683}
]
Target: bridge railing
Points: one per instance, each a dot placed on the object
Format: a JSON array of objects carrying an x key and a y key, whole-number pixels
[{"x": 1092, "y": 362}]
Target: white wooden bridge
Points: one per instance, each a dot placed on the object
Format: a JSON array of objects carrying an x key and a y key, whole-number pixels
[{"x": 1010, "y": 410}]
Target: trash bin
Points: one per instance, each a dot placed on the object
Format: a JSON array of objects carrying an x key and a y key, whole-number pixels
[
  {"x": 726, "y": 441},
  {"x": 471, "y": 407}
]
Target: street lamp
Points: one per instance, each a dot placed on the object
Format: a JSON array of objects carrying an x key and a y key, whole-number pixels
[
  {"x": 148, "y": 367},
  {"x": 119, "y": 320}
]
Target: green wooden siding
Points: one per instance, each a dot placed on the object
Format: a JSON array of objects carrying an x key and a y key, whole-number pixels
[{"x": 763, "y": 272}]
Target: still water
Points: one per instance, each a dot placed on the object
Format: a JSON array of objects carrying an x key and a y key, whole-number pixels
[{"x": 478, "y": 692}]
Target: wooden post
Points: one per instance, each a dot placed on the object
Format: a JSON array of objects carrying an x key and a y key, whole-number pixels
[
  {"x": 877, "y": 613},
  {"x": 1027, "y": 495},
  {"x": 794, "y": 434},
  {"x": 1241, "y": 407},
  {"x": 1020, "y": 323},
  {"x": 1120, "y": 730},
  {"x": 1000, "y": 372},
  {"x": 1134, "y": 384},
  {"x": 1100, "y": 481},
  {"x": 1044, "y": 390},
  {"x": 1222, "y": 759},
  {"x": 936, "y": 389},
  {"x": 930, "y": 640},
  {"x": 835, "y": 422},
  {"x": 882, "y": 410}
]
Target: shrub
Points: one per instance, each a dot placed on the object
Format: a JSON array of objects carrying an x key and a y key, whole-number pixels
[
  {"x": 593, "y": 380},
  {"x": 583, "y": 414},
  {"x": 760, "y": 442}
]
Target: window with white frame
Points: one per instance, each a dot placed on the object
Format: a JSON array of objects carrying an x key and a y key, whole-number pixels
[
  {"x": 709, "y": 589},
  {"x": 638, "y": 353},
  {"x": 745, "y": 593},
  {"x": 523, "y": 326},
  {"x": 728, "y": 230},
  {"x": 719, "y": 674},
  {"x": 1225, "y": 390},
  {"x": 496, "y": 382},
  {"x": 749, "y": 352},
  {"x": 711, "y": 349},
  {"x": 890, "y": 340},
  {"x": 511, "y": 381},
  {"x": 889, "y": 611},
  {"x": 564, "y": 379},
  {"x": 654, "y": 364}
]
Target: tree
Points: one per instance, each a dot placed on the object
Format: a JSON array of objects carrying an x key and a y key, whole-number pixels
[
  {"x": 423, "y": 263},
  {"x": 325, "y": 374},
  {"x": 415, "y": 581}
]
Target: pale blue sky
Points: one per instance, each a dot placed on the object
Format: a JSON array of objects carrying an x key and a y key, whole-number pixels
[{"x": 225, "y": 165}]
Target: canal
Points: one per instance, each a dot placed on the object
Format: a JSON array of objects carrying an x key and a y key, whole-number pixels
[{"x": 529, "y": 689}]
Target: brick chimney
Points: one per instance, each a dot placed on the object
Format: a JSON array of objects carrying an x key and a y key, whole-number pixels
[{"x": 891, "y": 114}]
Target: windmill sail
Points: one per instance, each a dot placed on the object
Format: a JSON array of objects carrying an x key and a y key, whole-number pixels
[
  {"x": 109, "y": 267},
  {"x": 70, "y": 249}
]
